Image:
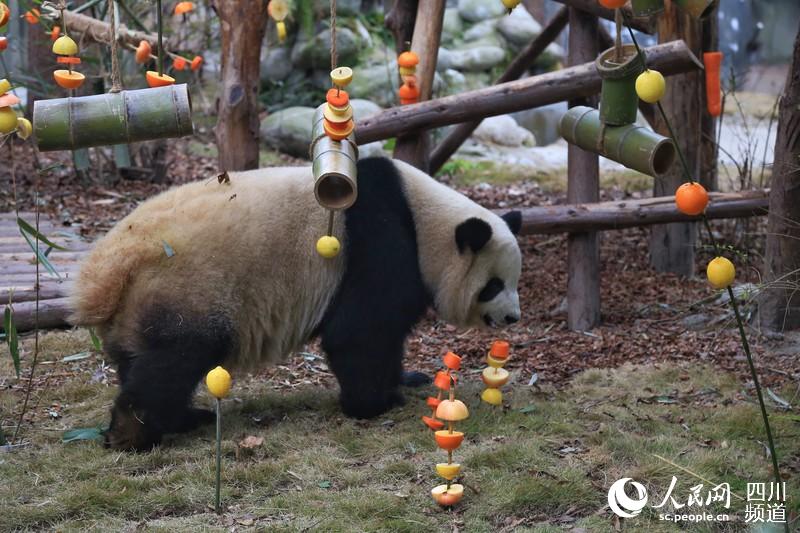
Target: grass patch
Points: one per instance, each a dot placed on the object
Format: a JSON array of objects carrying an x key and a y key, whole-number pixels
[{"x": 542, "y": 463}]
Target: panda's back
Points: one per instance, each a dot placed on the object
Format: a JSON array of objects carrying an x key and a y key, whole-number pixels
[{"x": 240, "y": 249}]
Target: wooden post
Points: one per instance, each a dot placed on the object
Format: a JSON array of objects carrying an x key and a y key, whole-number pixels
[
  {"x": 780, "y": 304},
  {"x": 243, "y": 24},
  {"x": 415, "y": 148},
  {"x": 643, "y": 24},
  {"x": 517, "y": 68},
  {"x": 672, "y": 245},
  {"x": 583, "y": 186},
  {"x": 400, "y": 21}
]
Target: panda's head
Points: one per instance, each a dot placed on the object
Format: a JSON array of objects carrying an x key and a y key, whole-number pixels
[{"x": 491, "y": 264}]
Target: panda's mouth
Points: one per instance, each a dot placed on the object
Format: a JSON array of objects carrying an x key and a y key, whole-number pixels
[{"x": 488, "y": 321}]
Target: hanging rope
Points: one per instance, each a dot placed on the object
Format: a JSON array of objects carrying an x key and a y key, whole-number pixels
[
  {"x": 116, "y": 75},
  {"x": 160, "y": 40},
  {"x": 333, "y": 34}
]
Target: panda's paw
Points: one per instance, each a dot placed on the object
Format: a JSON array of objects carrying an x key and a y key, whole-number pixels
[
  {"x": 128, "y": 431},
  {"x": 412, "y": 378}
]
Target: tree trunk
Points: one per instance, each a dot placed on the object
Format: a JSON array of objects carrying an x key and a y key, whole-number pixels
[
  {"x": 672, "y": 245},
  {"x": 243, "y": 25},
  {"x": 415, "y": 148},
  {"x": 780, "y": 306},
  {"x": 583, "y": 186}
]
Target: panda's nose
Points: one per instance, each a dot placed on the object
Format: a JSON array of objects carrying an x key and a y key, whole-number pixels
[{"x": 511, "y": 319}]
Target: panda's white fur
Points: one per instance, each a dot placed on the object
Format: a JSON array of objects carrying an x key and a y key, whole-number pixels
[{"x": 245, "y": 278}]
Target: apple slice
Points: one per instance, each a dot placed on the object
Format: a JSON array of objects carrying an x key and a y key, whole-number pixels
[{"x": 447, "y": 496}]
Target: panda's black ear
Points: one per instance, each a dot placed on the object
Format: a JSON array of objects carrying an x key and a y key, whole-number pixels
[
  {"x": 514, "y": 221},
  {"x": 473, "y": 233}
]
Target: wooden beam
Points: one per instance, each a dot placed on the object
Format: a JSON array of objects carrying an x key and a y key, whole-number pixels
[
  {"x": 583, "y": 186},
  {"x": 517, "y": 68},
  {"x": 52, "y": 314},
  {"x": 573, "y": 82},
  {"x": 604, "y": 216},
  {"x": 415, "y": 148},
  {"x": 643, "y": 24}
]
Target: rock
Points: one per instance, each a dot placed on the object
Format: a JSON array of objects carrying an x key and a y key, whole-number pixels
[
  {"x": 444, "y": 59},
  {"x": 542, "y": 122},
  {"x": 363, "y": 33},
  {"x": 503, "y": 130},
  {"x": 478, "y": 10},
  {"x": 453, "y": 81},
  {"x": 481, "y": 30},
  {"x": 364, "y": 108},
  {"x": 479, "y": 58},
  {"x": 289, "y": 130},
  {"x": 451, "y": 26},
  {"x": 276, "y": 65},
  {"x": 378, "y": 83},
  {"x": 477, "y": 80},
  {"x": 315, "y": 53},
  {"x": 519, "y": 27}
]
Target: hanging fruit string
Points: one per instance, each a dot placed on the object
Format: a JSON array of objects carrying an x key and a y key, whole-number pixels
[
  {"x": 116, "y": 81},
  {"x": 721, "y": 274}
]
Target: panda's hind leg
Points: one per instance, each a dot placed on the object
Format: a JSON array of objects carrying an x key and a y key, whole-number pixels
[{"x": 155, "y": 394}]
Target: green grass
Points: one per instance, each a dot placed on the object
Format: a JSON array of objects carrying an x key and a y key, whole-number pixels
[{"x": 542, "y": 463}]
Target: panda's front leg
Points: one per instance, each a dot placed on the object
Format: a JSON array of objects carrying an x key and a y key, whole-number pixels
[{"x": 369, "y": 375}]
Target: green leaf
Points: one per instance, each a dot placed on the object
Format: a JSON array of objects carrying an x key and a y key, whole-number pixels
[
  {"x": 324, "y": 484},
  {"x": 24, "y": 226},
  {"x": 11, "y": 337},
  {"x": 527, "y": 409},
  {"x": 98, "y": 346},
  {"x": 42, "y": 258},
  {"x": 168, "y": 249},
  {"x": 76, "y": 357},
  {"x": 74, "y": 435}
]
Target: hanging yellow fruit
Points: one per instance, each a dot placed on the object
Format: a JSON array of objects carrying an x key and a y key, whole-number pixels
[
  {"x": 24, "y": 128},
  {"x": 328, "y": 246},
  {"x": 650, "y": 86},
  {"x": 65, "y": 46}
]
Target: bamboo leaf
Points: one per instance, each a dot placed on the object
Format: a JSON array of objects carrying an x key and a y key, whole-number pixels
[
  {"x": 42, "y": 258},
  {"x": 33, "y": 233},
  {"x": 74, "y": 435},
  {"x": 11, "y": 337},
  {"x": 168, "y": 249},
  {"x": 98, "y": 346},
  {"x": 76, "y": 357}
]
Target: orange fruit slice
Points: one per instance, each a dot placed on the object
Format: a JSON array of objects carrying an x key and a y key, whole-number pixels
[
  {"x": 154, "y": 80},
  {"x": 433, "y": 423},
  {"x": 337, "y": 98},
  {"x": 5, "y": 14},
  {"x": 448, "y": 441},
  {"x": 68, "y": 80},
  {"x": 499, "y": 349},
  {"x": 338, "y": 134},
  {"x": 143, "y": 52},
  {"x": 408, "y": 59},
  {"x": 179, "y": 63},
  {"x": 197, "y": 62},
  {"x": 452, "y": 361},
  {"x": 432, "y": 402},
  {"x": 181, "y": 8}
]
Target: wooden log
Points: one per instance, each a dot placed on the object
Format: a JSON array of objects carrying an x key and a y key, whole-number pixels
[
  {"x": 92, "y": 30},
  {"x": 52, "y": 314},
  {"x": 517, "y": 68},
  {"x": 672, "y": 246},
  {"x": 605, "y": 216},
  {"x": 415, "y": 148},
  {"x": 55, "y": 257},
  {"x": 27, "y": 293},
  {"x": 583, "y": 186},
  {"x": 573, "y": 82},
  {"x": 643, "y": 24}
]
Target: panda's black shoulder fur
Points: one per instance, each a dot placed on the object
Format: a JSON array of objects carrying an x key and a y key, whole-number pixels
[{"x": 381, "y": 296}]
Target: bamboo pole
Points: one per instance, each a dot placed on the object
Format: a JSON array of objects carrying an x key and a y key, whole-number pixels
[
  {"x": 573, "y": 82},
  {"x": 518, "y": 66}
]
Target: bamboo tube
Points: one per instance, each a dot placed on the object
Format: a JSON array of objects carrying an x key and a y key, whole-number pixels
[
  {"x": 112, "y": 118},
  {"x": 334, "y": 167},
  {"x": 618, "y": 100},
  {"x": 634, "y": 146}
]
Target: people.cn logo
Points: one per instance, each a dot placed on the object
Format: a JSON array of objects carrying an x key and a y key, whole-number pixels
[{"x": 623, "y": 505}]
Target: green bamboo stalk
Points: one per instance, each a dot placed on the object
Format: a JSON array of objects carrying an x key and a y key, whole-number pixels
[
  {"x": 160, "y": 40},
  {"x": 217, "y": 506}
]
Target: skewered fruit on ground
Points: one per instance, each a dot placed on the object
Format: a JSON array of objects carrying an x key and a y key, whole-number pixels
[
  {"x": 448, "y": 471},
  {"x": 447, "y": 496}
]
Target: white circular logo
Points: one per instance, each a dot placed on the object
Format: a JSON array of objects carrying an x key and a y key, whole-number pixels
[{"x": 621, "y": 504}]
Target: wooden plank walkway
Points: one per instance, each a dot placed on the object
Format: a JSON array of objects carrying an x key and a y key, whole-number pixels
[{"x": 18, "y": 271}]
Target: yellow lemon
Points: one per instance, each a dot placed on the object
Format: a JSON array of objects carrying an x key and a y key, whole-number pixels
[
  {"x": 511, "y": 4},
  {"x": 218, "y": 382},
  {"x": 492, "y": 396},
  {"x": 328, "y": 246},
  {"x": 8, "y": 120},
  {"x": 281, "y": 27},
  {"x": 650, "y": 86},
  {"x": 5, "y": 86},
  {"x": 24, "y": 128},
  {"x": 448, "y": 470},
  {"x": 720, "y": 272},
  {"x": 342, "y": 76},
  {"x": 65, "y": 46},
  {"x": 278, "y": 9}
]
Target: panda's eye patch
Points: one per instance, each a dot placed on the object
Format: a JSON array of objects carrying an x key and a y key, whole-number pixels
[{"x": 493, "y": 287}]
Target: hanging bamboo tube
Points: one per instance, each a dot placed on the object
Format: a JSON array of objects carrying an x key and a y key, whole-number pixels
[
  {"x": 334, "y": 166},
  {"x": 112, "y": 118},
  {"x": 634, "y": 146},
  {"x": 618, "y": 101}
]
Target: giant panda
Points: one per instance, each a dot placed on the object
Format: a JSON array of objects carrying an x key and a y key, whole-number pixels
[{"x": 214, "y": 273}]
